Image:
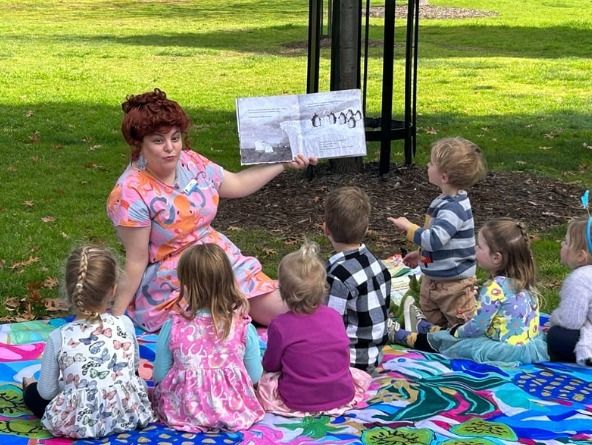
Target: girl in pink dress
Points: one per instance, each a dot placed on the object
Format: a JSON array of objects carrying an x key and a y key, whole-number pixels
[
  {"x": 207, "y": 357},
  {"x": 307, "y": 357}
]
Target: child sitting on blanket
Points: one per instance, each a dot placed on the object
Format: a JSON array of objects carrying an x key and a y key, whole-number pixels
[
  {"x": 506, "y": 325},
  {"x": 359, "y": 283},
  {"x": 447, "y": 240},
  {"x": 570, "y": 337},
  {"x": 207, "y": 357},
  {"x": 307, "y": 357},
  {"x": 89, "y": 386}
]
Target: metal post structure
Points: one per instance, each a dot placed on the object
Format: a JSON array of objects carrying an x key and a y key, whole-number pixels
[{"x": 384, "y": 129}]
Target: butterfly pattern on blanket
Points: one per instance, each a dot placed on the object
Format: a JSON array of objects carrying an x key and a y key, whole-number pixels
[{"x": 416, "y": 397}]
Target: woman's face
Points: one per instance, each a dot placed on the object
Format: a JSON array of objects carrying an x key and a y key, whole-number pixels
[{"x": 161, "y": 151}]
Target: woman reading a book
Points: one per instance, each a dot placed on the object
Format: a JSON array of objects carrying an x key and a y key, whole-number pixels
[{"x": 165, "y": 201}]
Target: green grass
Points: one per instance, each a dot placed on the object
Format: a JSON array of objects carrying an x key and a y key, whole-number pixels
[{"x": 517, "y": 84}]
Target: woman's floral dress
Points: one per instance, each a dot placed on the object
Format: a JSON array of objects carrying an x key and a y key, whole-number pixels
[
  {"x": 208, "y": 386},
  {"x": 102, "y": 394},
  {"x": 179, "y": 216}
]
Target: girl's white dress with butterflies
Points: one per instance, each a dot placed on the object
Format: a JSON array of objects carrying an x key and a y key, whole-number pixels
[{"x": 102, "y": 394}]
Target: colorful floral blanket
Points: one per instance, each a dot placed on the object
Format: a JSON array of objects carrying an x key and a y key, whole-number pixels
[{"x": 418, "y": 398}]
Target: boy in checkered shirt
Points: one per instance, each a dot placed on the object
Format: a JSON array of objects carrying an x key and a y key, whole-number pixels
[{"x": 359, "y": 283}]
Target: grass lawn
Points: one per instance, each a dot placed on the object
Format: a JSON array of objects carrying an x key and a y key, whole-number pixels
[{"x": 517, "y": 83}]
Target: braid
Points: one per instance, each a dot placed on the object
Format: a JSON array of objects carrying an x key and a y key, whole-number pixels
[
  {"x": 78, "y": 296},
  {"x": 90, "y": 276}
]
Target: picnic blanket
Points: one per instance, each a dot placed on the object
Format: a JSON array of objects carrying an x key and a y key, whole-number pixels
[{"x": 416, "y": 398}]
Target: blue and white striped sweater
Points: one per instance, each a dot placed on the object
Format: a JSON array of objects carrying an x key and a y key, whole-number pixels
[{"x": 447, "y": 240}]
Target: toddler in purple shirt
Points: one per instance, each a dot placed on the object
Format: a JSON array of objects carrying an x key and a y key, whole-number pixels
[{"x": 306, "y": 363}]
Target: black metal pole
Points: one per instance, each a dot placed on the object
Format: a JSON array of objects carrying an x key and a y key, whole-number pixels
[
  {"x": 415, "y": 57},
  {"x": 314, "y": 46},
  {"x": 410, "y": 31},
  {"x": 335, "y": 53},
  {"x": 387, "y": 86},
  {"x": 366, "y": 37}
]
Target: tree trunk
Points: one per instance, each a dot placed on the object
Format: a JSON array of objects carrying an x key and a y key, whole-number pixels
[{"x": 345, "y": 61}]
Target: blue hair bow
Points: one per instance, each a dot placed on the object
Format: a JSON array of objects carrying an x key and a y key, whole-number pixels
[{"x": 585, "y": 204}]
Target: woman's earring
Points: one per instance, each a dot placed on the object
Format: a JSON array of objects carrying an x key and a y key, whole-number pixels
[{"x": 141, "y": 163}]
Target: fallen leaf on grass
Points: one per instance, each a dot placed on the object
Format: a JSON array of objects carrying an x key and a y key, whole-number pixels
[
  {"x": 35, "y": 137},
  {"x": 545, "y": 148},
  {"x": 48, "y": 219},
  {"x": 269, "y": 252},
  {"x": 28, "y": 203},
  {"x": 50, "y": 282},
  {"x": 431, "y": 130},
  {"x": 234, "y": 229},
  {"x": 56, "y": 305},
  {"x": 25, "y": 263}
]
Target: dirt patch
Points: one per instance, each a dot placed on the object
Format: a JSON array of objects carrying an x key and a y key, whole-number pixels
[
  {"x": 434, "y": 12},
  {"x": 291, "y": 206}
]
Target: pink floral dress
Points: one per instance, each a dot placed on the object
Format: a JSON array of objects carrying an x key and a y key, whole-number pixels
[
  {"x": 179, "y": 216},
  {"x": 208, "y": 386}
]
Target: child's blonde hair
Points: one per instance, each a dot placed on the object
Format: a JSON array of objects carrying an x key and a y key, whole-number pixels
[
  {"x": 303, "y": 279},
  {"x": 510, "y": 239},
  {"x": 91, "y": 276},
  {"x": 207, "y": 281},
  {"x": 576, "y": 229},
  {"x": 347, "y": 214},
  {"x": 460, "y": 159}
]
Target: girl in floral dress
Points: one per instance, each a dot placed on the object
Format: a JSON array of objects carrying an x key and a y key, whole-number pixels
[
  {"x": 505, "y": 327},
  {"x": 207, "y": 356},
  {"x": 89, "y": 386}
]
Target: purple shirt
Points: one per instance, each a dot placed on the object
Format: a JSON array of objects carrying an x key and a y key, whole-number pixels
[{"x": 312, "y": 353}]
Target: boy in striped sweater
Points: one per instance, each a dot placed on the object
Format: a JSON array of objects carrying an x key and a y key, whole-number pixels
[{"x": 447, "y": 241}]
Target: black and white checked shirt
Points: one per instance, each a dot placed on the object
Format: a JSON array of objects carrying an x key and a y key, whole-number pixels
[{"x": 360, "y": 289}]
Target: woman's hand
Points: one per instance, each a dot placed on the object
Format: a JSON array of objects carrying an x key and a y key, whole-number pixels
[{"x": 300, "y": 162}]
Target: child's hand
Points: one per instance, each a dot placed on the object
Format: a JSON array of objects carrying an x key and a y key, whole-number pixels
[
  {"x": 401, "y": 223},
  {"x": 27, "y": 381},
  {"x": 411, "y": 259}
]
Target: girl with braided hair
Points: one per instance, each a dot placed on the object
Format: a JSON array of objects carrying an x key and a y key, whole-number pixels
[
  {"x": 505, "y": 327},
  {"x": 89, "y": 386}
]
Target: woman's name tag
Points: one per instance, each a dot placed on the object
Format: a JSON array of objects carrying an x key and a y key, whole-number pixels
[{"x": 190, "y": 186}]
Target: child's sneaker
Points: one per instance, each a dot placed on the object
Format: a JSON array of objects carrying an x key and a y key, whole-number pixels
[
  {"x": 396, "y": 334},
  {"x": 411, "y": 314},
  {"x": 392, "y": 327}
]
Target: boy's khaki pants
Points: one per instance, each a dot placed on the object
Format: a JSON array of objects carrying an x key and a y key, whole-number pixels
[{"x": 447, "y": 303}]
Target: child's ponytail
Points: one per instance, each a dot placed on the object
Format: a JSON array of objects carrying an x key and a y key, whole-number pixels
[{"x": 303, "y": 279}]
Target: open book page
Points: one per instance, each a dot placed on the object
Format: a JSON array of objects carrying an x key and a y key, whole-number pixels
[{"x": 323, "y": 125}]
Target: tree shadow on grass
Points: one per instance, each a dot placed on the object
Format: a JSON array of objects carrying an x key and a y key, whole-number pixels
[{"x": 435, "y": 41}]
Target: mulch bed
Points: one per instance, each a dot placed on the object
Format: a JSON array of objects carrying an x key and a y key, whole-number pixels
[{"x": 291, "y": 206}]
